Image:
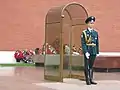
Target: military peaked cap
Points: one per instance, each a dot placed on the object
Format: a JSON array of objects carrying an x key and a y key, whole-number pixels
[{"x": 90, "y": 19}]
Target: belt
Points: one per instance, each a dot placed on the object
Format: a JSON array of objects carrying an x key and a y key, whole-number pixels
[{"x": 92, "y": 44}]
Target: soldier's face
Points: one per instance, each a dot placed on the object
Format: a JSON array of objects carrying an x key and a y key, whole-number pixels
[{"x": 91, "y": 24}]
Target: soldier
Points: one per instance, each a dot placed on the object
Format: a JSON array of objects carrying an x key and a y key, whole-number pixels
[{"x": 90, "y": 48}]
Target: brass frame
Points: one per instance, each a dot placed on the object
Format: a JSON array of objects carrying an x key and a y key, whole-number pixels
[{"x": 59, "y": 13}]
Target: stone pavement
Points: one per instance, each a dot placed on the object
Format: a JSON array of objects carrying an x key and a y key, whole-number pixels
[
  {"x": 74, "y": 84},
  {"x": 32, "y": 78},
  {"x": 21, "y": 78}
]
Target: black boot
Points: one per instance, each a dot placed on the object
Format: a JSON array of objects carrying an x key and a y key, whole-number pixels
[
  {"x": 88, "y": 79},
  {"x": 88, "y": 82},
  {"x": 91, "y": 77},
  {"x": 87, "y": 72},
  {"x": 92, "y": 82}
]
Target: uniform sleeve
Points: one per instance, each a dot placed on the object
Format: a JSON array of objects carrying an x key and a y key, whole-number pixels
[
  {"x": 84, "y": 46},
  {"x": 97, "y": 43}
]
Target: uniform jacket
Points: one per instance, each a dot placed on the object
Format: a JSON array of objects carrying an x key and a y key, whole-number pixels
[{"x": 93, "y": 50}]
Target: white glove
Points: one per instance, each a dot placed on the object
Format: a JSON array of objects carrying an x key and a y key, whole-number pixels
[
  {"x": 97, "y": 54},
  {"x": 87, "y": 55}
]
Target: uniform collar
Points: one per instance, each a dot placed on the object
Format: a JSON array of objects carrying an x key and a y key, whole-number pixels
[{"x": 90, "y": 29}]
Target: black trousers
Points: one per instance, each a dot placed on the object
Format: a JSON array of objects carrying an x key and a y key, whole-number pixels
[{"x": 88, "y": 67}]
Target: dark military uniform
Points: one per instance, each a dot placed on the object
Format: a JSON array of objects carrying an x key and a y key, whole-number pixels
[{"x": 90, "y": 44}]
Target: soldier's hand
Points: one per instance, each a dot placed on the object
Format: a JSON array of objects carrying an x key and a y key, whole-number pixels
[
  {"x": 97, "y": 54},
  {"x": 87, "y": 55}
]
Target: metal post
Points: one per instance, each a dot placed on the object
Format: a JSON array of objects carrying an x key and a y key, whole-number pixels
[
  {"x": 61, "y": 50},
  {"x": 70, "y": 59}
]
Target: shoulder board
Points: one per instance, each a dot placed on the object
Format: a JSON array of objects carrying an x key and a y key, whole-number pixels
[
  {"x": 96, "y": 31},
  {"x": 84, "y": 30}
]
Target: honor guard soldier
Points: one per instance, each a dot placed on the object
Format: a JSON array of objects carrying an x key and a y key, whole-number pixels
[{"x": 90, "y": 48}]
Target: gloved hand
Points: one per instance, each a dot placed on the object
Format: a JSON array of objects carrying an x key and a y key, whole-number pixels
[
  {"x": 87, "y": 55},
  {"x": 97, "y": 54}
]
